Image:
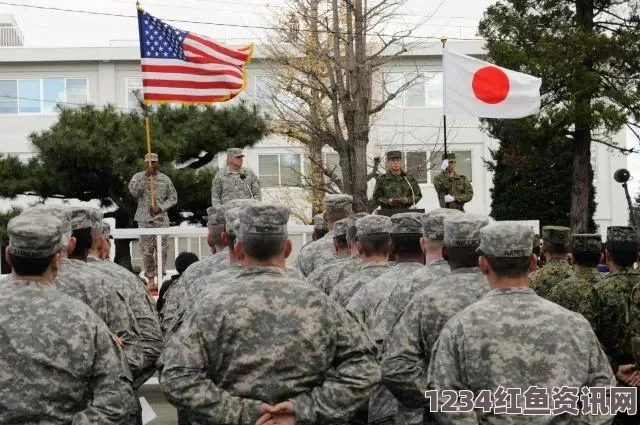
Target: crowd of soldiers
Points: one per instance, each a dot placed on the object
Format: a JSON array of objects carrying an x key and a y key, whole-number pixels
[{"x": 375, "y": 312}]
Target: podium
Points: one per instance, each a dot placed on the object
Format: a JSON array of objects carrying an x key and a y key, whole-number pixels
[{"x": 391, "y": 211}]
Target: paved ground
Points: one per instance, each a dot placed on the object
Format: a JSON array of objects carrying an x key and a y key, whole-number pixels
[{"x": 166, "y": 412}]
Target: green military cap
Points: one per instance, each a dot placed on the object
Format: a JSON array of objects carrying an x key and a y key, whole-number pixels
[
  {"x": 407, "y": 222},
  {"x": 35, "y": 235},
  {"x": 556, "y": 235},
  {"x": 464, "y": 229},
  {"x": 216, "y": 215},
  {"x": 105, "y": 229},
  {"x": 61, "y": 212},
  {"x": 319, "y": 223},
  {"x": 506, "y": 239},
  {"x": 373, "y": 224},
  {"x": 232, "y": 221},
  {"x": 80, "y": 218},
  {"x": 338, "y": 203},
  {"x": 235, "y": 152},
  {"x": 340, "y": 227},
  {"x": 153, "y": 157},
  {"x": 621, "y": 234},
  {"x": 449, "y": 156},
  {"x": 264, "y": 219},
  {"x": 591, "y": 242},
  {"x": 433, "y": 222},
  {"x": 394, "y": 155}
]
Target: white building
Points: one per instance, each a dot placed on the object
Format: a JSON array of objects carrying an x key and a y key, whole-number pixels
[{"x": 33, "y": 80}]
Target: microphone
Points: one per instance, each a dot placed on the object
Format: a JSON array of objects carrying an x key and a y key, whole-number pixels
[{"x": 243, "y": 177}]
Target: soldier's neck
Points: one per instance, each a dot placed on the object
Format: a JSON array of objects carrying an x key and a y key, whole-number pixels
[
  {"x": 395, "y": 173},
  {"x": 410, "y": 259},
  {"x": 271, "y": 262},
  {"x": 556, "y": 257},
  {"x": 48, "y": 277},
  {"x": 234, "y": 169},
  {"x": 375, "y": 259}
]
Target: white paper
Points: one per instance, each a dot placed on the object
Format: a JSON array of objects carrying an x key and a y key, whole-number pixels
[{"x": 147, "y": 412}]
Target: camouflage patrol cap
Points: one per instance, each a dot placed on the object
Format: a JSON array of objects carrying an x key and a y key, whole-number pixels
[
  {"x": 506, "y": 239},
  {"x": 352, "y": 230},
  {"x": 558, "y": 235},
  {"x": 80, "y": 218},
  {"x": 341, "y": 227},
  {"x": 234, "y": 152},
  {"x": 621, "y": 234},
  {"x": 216, "y": 215},
  {"x": 338, "y": 203},
  {"x": 264, "y": 220},
  {"x": 433, "y": 223},
  {"x": 373, "y": 224},
  {"x": 449, "y": 156},
  {"x": 61, "y": 212},
  {"x": 232, "y": 221},
  {"x": 586, "y": 242},
  {"x": 237, "y": 203},
  {"x": 35, "y": 236},
  {"x": 319, "y": 223},
  {"x": 394, "y": 155},
  {"x": 464, "y": 229},
  {"x": 95, "y": 217},
  {"x": 105, "y": 229},
  {"x": 153, "y": 157},
  {"x": 407, "y": 222}
]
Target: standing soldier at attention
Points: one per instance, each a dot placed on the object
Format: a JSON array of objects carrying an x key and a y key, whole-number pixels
[
  {"x": 453, "y": 189},
  {"x": 396, "y": 189},
  {"x": 235, "y": 181},
  {"x": 149, "y": 216},
  {"x": 555, "y": 246}
]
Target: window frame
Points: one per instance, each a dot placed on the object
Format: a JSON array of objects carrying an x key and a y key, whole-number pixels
[
  {"x": 44, "y": 103},
  {"x": 279, "y": 155}
]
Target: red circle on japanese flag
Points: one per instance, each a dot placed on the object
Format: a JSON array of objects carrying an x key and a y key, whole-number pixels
[{"x": 490, "y": 85}]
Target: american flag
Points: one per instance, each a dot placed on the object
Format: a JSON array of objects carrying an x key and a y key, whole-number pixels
[{"x": 183, "y": 67}]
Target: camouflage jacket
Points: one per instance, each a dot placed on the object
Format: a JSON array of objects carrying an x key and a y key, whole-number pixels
[
  {"x": 617, "y": 315},
  {"x": 108, "y": 300},
  {"x": 346, "y": 289},
  {"x": 396, "y": 186},
  {"x": 271, "y": 339},
  {"x": 228, "y": 185},
  {"x": 316, "y": 254},
  {"x": 165, "y": 194},
  {"x": 512, "y": 338},
  {"x": 457, "y": 186},
  {"x": 144, "y": 313},
  {"x": 326, "y": 277},
  {"x": 60, "y": 364},
  {"x": 407, "y": 349},
  {"x": 577, "y": 293},
  {"x": 543, "y": 280}
]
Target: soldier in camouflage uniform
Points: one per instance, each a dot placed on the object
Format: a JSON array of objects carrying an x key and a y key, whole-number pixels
[
  {"x": 396, "y": 189},
  {"x": 152, "y": 217},
  {"x": 235, "y": 181},
  {"x": 265, "y": 347},
  {"x": 374, "y": 237},
  {"x": 453, "y": 189},
  {"x": 435, "y": 269},
  {"x": 60, "y": 364},
  {"x": 328, "y": 276},
  {"x": 555, "y": 245},
  {"x": 321, "y": 252},
  {"x": 341, "y": 246},
  {"x": 577, "y": 293},
  {"x": 406, "y": 230},
  {"x": 619, "y": 313},
  {"x": 407, "y": 350},
  {"x": 512, "y": 338}
]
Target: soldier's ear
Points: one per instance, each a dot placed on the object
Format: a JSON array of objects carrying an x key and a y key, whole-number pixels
[
  {"x": 288, "y": 247},
  {"x": 238, "y": 249},
  {"x": 533, "y": 263},
  {"x": 424, "y": 244},
  {"x": 7, "y": 256}
]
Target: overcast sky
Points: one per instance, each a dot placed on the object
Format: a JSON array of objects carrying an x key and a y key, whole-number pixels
[{"x": 50, "y": 28}]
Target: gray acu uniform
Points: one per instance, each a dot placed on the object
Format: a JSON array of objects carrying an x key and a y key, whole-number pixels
[
  {"x": 316, "y": 254},
  {"x": 166, "y": 197},
  {"x": 228, "y": 185},
  {"x": 60, "y": 364},
  {"x": 512, "y": 338},
  {"x": 227, "y": 357},
  {"x": 407, "y": 350},
  {"x": 346, "y": 289},
  {"x": 328, "y": 276}
]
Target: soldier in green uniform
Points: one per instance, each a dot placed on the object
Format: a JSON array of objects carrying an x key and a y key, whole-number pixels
[
  {"x": 453, "y": 189},
  {"x": 396, "y": 189},
  {"x": 555, "y": 246}
]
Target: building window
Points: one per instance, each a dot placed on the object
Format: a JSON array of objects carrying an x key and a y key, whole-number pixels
[
  {"x": 265, "y": 89},
  {"x": 134, "y": 86},
  {"x": 41, "y": 96},
  {"x": 424, "y": 91},
  {"x": 279, "y": 169},
  {"x": 417, "y": 165}
]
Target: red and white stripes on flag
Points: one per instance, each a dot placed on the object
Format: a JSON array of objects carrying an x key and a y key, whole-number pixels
[{"x": 183, "y": 67}]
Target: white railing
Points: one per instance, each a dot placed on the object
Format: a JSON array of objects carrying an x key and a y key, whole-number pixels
[
  {"x": 11, "y": 37},
  {"x": 301, "y": 234}
]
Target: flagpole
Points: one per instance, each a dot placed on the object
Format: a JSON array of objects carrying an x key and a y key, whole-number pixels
[{"x": 444, "y": 93}]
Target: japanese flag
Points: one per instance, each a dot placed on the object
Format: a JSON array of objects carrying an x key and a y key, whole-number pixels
[{"x": 480, "y": 89}]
